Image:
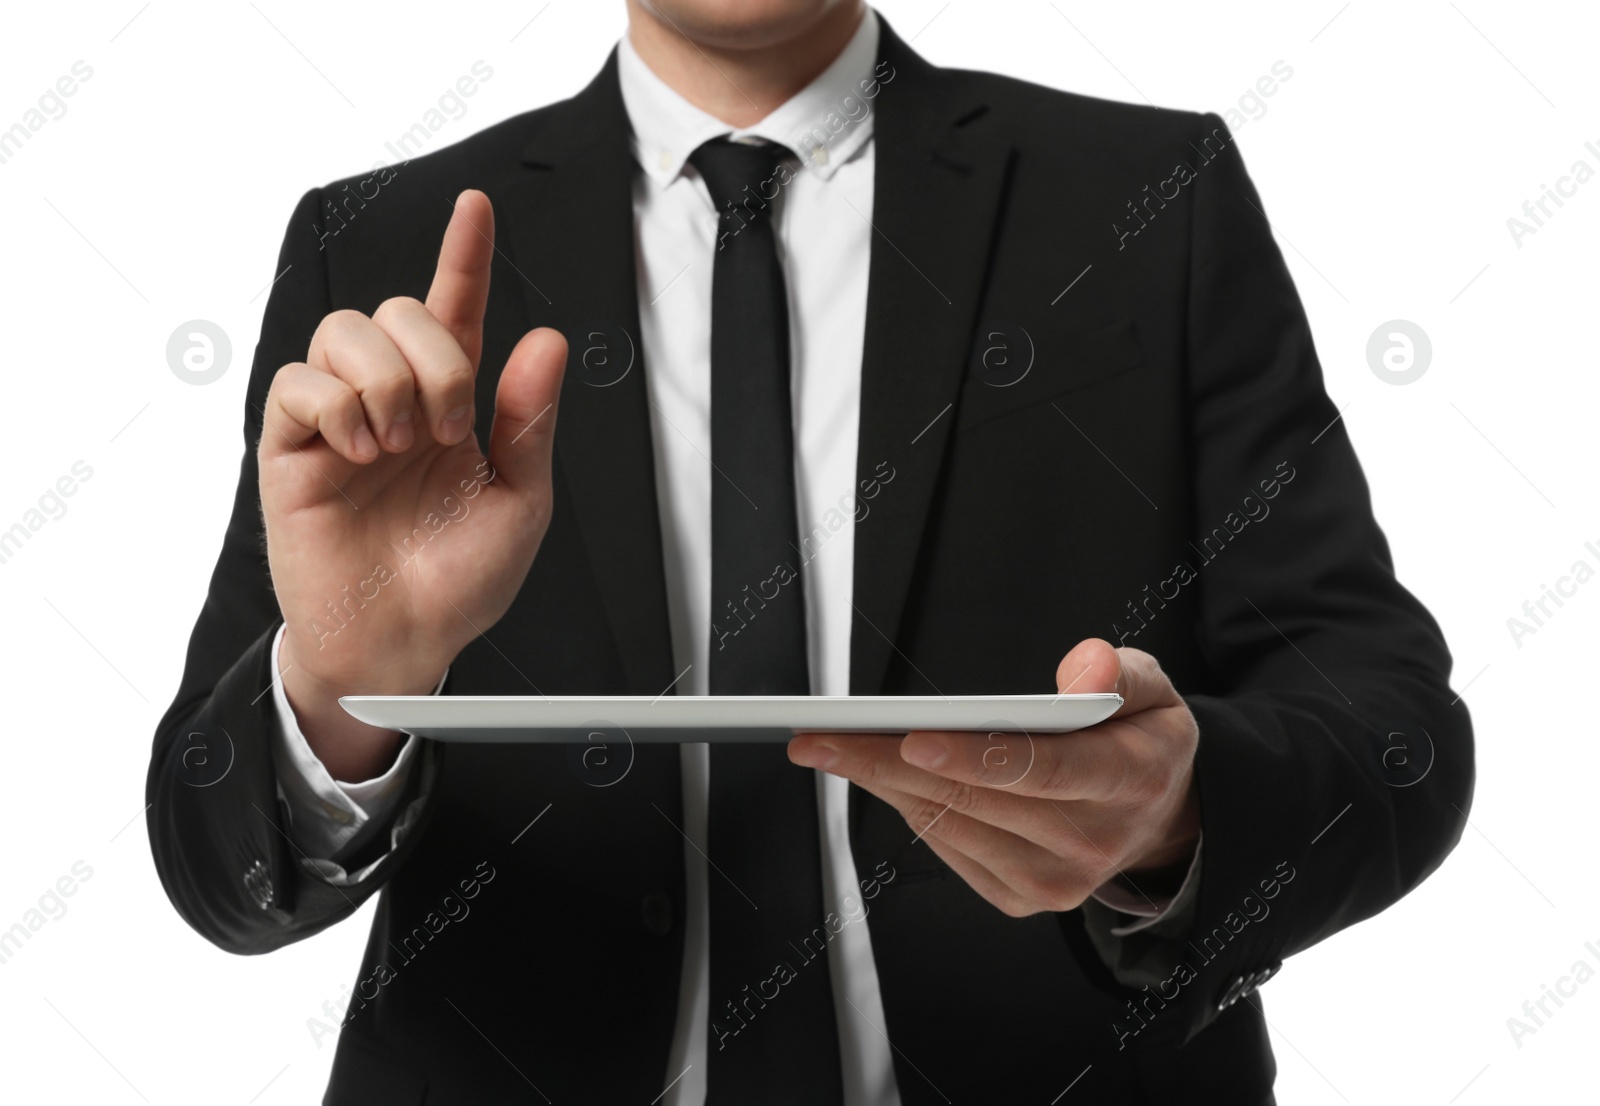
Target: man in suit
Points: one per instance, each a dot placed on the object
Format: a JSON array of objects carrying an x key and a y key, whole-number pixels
[{"x": 1024, "y": 387}]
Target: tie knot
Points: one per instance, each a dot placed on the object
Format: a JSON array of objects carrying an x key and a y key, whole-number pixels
[{"x": 741, "y": 176}]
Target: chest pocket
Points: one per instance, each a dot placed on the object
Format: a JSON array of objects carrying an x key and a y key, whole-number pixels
[{"x": 1012, "y": 367}]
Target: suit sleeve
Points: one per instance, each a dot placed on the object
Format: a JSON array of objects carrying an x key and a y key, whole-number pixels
[
  {"x": 1335, "y": 765},
  {"x": 217, "y": 827},
  {"x": 331, "y": 822}
]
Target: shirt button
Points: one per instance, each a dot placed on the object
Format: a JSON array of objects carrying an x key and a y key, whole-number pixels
[
  {"x": 820, "y": 155},
  {"x": 665, "y": 160}
]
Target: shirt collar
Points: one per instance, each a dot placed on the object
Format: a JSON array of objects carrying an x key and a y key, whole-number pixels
[{"x": 816, "y": 122}]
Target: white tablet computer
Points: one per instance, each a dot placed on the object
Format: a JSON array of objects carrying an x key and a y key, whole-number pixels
[{"x": 557, "y": 719}]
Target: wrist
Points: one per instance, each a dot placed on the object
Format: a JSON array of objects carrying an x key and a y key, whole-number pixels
[
  {"x": 382, "y": 663},
  {"x": 1172, "y": 855},
  {"x": 349, "y": 749}
]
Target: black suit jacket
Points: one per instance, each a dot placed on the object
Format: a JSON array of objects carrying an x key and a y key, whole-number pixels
[{"x": 1168, "y": 474}]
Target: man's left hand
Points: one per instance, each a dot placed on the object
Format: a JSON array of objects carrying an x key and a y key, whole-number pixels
[{"x": 1040, "y": 822}]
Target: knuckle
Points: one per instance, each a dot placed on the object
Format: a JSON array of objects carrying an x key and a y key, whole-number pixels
[
  {"x": 344, "y": 407},
  {"x": 867, "y": 771},
  {"x": 956, "y": 794},
  {"x": 1056, "y": 891},
  {"x": 284, "y": 378},
  {"x": 340, "y": 323},
  {"x": 339, "y": 344},
  {"x": 450, "y": 373},
  {"x": 391, "y": 384},
  {"x": 1093, "y": 873},
  {"x": 395, "y": 307},
  {"x": 1068, "y": 899},
  {"x": 1014, "y": 907},
  {"x": 921, "y": 814},
  {"x": 1062, "y": 776}
]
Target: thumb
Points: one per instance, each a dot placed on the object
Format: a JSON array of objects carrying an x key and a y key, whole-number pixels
[
  {"x": 525, "y": 411},
  {"x": 1095, "y": 667}
]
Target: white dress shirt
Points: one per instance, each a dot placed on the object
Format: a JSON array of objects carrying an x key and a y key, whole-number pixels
[{"x": 824, "y": 242}]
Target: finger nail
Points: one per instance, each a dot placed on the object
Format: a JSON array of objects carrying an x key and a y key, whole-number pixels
[
  {"x": 454, "y": 427},
  {"x": 401, "y": 432},
  {"x": 363, "y": 442},
  {"x": 819, "y": 754},
  {"x": 925, "y": 751}
]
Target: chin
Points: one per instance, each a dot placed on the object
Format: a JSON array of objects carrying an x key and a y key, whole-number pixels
[{"x": 746, "y": 24}]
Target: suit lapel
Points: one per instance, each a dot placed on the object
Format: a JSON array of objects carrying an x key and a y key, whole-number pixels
[
  {"x": 939, "y": 181},
  {"x": 938, "y": 184},
  {"x": 569, "y": 211}
]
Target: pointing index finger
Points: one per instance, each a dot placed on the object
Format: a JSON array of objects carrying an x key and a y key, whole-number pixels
[{"x": 460, "y": 289}]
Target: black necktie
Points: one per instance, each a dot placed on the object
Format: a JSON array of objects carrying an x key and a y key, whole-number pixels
[{"x": 772, "y": 1036}]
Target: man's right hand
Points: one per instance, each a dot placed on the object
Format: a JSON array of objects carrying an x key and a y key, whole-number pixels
[{"x": 392, "y": 540}]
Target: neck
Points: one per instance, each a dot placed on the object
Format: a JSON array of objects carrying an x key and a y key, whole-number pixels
[{"x": 740, "y": 77}]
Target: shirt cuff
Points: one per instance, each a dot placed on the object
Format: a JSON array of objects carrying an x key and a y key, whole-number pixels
[
  {"x": 330, "y": 819},
  {"x": 1150, "y": 911}
]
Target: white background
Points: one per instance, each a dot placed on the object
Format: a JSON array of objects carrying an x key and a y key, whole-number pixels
[{"x": 1390, "y": 162}]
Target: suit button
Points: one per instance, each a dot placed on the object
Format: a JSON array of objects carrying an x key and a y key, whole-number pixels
[
  {"x": 657, "y": 914},
  {"x": 258, "y": 881},
  {"x": 1256, "y": 979},
  {"x": 1243, "y": 986}
]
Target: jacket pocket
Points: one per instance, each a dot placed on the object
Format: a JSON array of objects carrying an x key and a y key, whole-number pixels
[{"x": 1056, "y": 364}]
